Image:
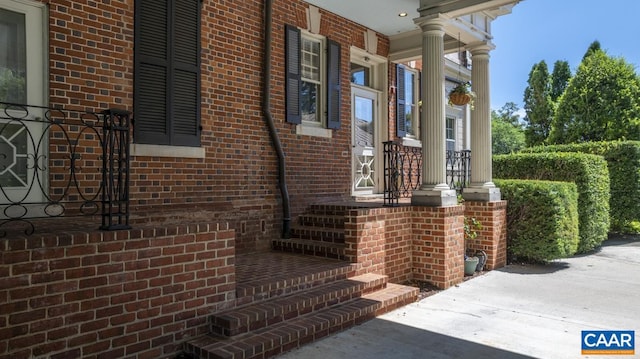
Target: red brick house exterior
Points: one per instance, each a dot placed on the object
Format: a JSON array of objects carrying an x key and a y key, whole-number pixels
[{"x": 75, "y": 292}]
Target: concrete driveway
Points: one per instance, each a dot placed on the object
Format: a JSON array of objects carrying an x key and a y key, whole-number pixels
[{"x": 520, "y": 311}]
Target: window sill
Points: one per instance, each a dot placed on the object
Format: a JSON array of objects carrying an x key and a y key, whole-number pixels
[
  {"x": 411, "y": 142},
  {"x": 137, "y": 149},
  {"x": 313, "y": 131}
]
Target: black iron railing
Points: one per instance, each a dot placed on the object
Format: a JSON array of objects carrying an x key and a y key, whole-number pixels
[
  {"x": 57, "y": 162},
  {"x": 403, "y": 169},
  {"x": 458, "y": 169}
]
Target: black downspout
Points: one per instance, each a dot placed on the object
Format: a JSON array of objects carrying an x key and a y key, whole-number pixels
[{"x": 266, "y": 109}]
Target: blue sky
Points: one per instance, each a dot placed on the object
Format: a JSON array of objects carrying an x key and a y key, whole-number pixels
[{"x": 554, "y": 30}]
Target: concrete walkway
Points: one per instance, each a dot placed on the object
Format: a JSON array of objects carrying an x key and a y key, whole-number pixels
[{"x": 516, "y": 312}]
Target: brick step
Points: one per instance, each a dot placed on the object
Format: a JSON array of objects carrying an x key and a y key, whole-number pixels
[
  {"x": 322, "y": 234},
  {"x": 284, "y": 274},
  {"x": 256, "y": 316},
  {"x": 322, "y": 220},
  {"x": 284, "y": 336},
  {"x": 329, "y": 209},
  {"x": 310, "y": 247}
]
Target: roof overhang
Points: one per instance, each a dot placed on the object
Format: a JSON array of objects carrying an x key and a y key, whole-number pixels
[{"x": 383, "y": 16}]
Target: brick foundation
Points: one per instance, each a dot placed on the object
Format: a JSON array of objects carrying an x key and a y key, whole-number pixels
[
  {"x": 380, "y": 241},
  {"x": 492, "y": 238},
  {"x": 438, "y": 250},
  {"x": 408, "y": 243},
  {"x": 137, "y": 293}
]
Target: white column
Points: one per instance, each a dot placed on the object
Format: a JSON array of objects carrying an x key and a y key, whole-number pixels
[
  {"x": 434, "y": 190},
  {"x": 481, "y": 187}
]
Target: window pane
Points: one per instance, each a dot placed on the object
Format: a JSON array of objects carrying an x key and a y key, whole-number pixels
[
  {"x": 451, "y": 134},
  {"x": 13, "y": 66},
  {"x": 410, "y": 97},
  {"x": 360, "y": 75},
  {"x": 309, "y": 101},
  {"x": 451, "y": 129},
  {"x": 310, "y": 59}
]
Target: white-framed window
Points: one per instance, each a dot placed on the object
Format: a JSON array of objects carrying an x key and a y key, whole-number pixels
[
  {"x": 451, "y": 134},
  {"x": 407, "y": 102},
  {"x": 312, "y": 75},
  {"x": 312, "y": 82},
  {"x": 412, "y": 97}
]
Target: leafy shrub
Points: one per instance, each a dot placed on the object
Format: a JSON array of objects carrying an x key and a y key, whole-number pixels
[
  {"x": 542, "y": 219},
  {"x": 623, "y": 159},
  {"x": 588, "y": 172}
]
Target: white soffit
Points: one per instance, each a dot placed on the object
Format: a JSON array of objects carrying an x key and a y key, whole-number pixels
[{"x": 379, "y": 15}]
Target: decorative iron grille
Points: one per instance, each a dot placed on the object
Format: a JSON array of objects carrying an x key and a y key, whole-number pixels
[
  {"x": 403, "y": 169},
  {"x": 57, "y": 162},
  {"x": 458, "y": 169}
]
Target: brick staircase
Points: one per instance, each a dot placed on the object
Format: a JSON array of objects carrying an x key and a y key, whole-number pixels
[
  {"x": 285, "y": 300},
  {"x": 288, "y": 312},
  {"x": 319, "y": 232}
]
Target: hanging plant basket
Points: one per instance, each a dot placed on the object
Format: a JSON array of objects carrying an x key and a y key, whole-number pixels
[
  {"x": 459, "y": 99},
  {"x": 462, "y": 95}
]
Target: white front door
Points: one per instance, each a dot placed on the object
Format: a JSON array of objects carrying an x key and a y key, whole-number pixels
[
  {"x": 22, "y": 81},
  {"x": 364, "y": 123}
]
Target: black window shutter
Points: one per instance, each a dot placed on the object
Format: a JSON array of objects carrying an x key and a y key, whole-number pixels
[
  {"x": 167, "y": 72},
  {"x": 292, "y": 76},
  {"x": 401, "y": 129},
  {"x": 185, "y": 84},
  {"x": 334, "y": 90},
  {"x": 151, "y": 72}
]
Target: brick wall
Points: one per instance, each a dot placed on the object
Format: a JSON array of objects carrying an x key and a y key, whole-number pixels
[
  {"x": 379, "y": 241},
  {"x": 91, "y": 68},
  {"x": 408, "y": 243},
  {"x": 438, "y": 251},
  {"x": 113, "y": 294},
  {"x": 492, "y": 238}
]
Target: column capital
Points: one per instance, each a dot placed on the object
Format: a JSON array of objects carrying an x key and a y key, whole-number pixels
[
  {"x": 432, "y": 24},
  {"x": 480, "y": 47}
]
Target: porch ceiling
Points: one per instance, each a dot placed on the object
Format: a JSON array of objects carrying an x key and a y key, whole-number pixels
[
  {"x": 379, "y": 15},
  {"x": 383, "y": 16}
]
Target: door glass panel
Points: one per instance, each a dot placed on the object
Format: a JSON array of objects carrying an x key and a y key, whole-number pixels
[
  {"x": 23, "y": 175},
  {"x": 13, "y": 88},
  {"x": 13, "y": 65},
  {"x": 364, "y": 111},
  {"x": 13, "y": 155}
]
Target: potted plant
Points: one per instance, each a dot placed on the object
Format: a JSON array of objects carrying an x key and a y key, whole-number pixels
[
  {"x": 471, "y": 227},
  {"x": 462, "y": 95}
]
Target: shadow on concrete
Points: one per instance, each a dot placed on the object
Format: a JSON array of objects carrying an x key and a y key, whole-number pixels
[
  {"x": 618, "y": 239},
  {"x": 382, "y": 339},
  {"x": 550, "y": 267},
  {"x": 614, "y": 240}
]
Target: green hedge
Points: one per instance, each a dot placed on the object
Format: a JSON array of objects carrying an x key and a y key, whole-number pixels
[
  {"x": 588, "y": 172},
  {"x": 623, "y": 158},
  {"x": 542, "y": 219}
]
